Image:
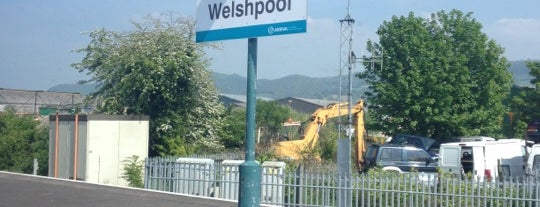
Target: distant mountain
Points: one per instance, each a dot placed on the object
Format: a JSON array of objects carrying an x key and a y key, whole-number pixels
[
  {"x": 295, "y": 85},
  {"x": 289, "y": 86},
  {"x": 233, "y": 84}
]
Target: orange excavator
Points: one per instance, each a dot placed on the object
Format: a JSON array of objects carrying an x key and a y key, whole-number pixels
[{"x": 293, "y": 149}]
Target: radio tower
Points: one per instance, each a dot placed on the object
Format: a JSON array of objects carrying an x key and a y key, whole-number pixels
[{"x": 346, "y": 62}]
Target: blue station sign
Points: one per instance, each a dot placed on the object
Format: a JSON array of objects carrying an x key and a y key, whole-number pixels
[{"x": 230, "y": 19}]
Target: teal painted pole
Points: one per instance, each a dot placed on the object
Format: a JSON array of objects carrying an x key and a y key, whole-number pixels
[{"x": 250, "y": 170}]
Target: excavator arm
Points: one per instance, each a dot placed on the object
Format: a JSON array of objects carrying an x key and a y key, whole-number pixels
[
  {"x": 293, "y": 149},
  {"x": 361, "y": 135}
]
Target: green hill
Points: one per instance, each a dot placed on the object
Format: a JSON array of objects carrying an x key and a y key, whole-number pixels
[
  {"x": 289, "y": 86},
  {"x": 295, "y": 85}
]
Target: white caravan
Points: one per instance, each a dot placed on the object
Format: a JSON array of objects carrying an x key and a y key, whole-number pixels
[{"x": 485, "y": 159}]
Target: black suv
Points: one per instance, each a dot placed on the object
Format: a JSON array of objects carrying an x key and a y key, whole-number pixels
[{"x": 399, "y": 158}]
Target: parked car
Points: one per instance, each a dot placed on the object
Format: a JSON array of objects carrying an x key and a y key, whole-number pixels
[{"x": 400, "y": 158}]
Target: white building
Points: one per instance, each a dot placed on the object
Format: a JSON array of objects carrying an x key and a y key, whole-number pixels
[{"x": 92, "y": 147}]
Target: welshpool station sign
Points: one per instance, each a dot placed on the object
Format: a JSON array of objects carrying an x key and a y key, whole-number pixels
[{"x": 230, "y": 19}]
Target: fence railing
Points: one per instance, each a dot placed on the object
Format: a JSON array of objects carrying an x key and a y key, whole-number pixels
[{"x": 220, "y": 179}]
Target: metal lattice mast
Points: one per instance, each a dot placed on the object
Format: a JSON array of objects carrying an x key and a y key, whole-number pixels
[
  {"x": 346, "y": 62},
  {"x": 344, "y": 145}
]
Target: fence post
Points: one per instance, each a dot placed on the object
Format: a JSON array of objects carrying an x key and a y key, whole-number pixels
[
  {"x": 36, "y": 166},
  {"x": 299, "y": 184},
  {"x": 146, "y": 173}
]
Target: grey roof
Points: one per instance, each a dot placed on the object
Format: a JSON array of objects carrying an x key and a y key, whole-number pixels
[
  {"x": 27, "y": 101},
  {"x": 320, "y": 102},
  {"x": 305, "y": 105},
  {"x": 242, "y": 98},
  {"x": 239, "y": 98}
]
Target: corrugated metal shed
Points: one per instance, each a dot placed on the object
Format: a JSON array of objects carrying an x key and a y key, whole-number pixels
[
  {"x": 237, "y": 100},
  {"x": 29, "y": 102},
  {"x": 304, "y": 105}
]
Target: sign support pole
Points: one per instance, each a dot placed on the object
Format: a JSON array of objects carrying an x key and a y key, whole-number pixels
[{"x": 250, "y": 170}]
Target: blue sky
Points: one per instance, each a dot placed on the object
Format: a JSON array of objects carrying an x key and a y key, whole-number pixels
[{"x": 37, "y": 37}]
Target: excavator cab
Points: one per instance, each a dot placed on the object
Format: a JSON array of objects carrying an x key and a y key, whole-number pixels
[{"x": 292, "y": 130}]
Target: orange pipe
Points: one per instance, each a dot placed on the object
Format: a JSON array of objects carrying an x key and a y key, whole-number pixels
[
  {"x": 76, "y": 147},
  {"x": 57, "y": 126}
]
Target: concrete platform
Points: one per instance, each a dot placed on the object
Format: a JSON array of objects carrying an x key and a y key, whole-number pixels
[{"x": 18, "y": 190}]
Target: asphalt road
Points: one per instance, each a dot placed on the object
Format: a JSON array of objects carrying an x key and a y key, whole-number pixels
[{"x": 18, "y": 190}]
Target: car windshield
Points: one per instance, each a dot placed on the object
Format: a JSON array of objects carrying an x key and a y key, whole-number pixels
[{"x": 372, "y": 152}]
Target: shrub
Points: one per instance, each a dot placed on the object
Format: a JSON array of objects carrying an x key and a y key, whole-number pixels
[{"x": 133, "y": 171}]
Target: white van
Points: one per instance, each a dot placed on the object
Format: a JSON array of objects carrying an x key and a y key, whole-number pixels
[
  {"x": 533, "y": 161},
  {"x": 484, "y": 159},
  {"x": 476, "y": 139}
]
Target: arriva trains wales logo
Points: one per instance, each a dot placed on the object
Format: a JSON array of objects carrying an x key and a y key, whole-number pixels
[{"x": 272, "y": 30}]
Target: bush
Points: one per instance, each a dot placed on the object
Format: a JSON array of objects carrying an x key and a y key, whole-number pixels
[
  {"x": 133, "y": 171},
  {"x": 22, "y": 139}
]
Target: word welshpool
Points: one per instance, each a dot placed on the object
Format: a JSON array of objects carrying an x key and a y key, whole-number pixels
[{"x": 247, "y": 8}]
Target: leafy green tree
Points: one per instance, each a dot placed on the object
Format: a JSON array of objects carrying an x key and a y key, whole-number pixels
[
  {"x": 157, "y": 69},
  {"x": 270, "y": 116},
  {"x": 525, "y": 103},
  {"x": 21, "y": 140},
  {"x": 441, "y": 77},
  {"x": 328, "y": 137},
  {"x": 234, "y": 129}
]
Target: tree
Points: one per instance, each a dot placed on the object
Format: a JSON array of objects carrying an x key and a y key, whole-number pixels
[
  {"x": 234, "y": 129},
  {"x": 270, "y": 116},
  {"x": 157, "y": 70},
  {"x": 442, "y": 77},
  {"x": 328, "y": 138},
  {"x": 21, "y": 140},
  {"x": 525, "y": 104}
]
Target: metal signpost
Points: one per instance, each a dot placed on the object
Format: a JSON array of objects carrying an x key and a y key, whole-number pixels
[{"x": 230, "y": 19}]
